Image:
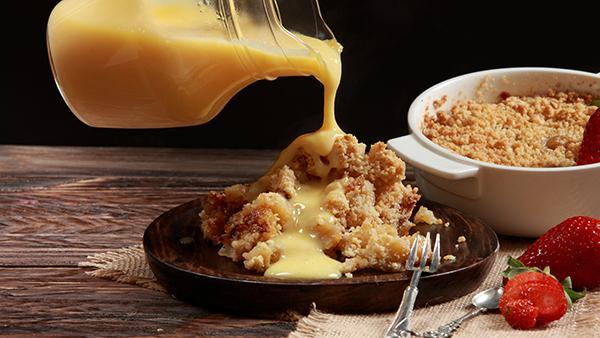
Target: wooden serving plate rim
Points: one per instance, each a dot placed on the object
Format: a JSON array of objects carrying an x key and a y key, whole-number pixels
[{"x": 380, "y": 277}]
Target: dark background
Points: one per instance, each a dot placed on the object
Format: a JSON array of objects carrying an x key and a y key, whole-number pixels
[{"x": 394, "y": 49}]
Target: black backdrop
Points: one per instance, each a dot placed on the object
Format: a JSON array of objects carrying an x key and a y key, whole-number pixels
[{"x": 394, "y": 49}]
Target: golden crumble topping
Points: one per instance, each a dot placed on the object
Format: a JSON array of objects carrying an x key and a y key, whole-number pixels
[
  {"x": 450, "y": 258},
  {"x": 426, "y": 216},
  {"x": 524, "y": 131},
  {"x": 364, "y": 210}
]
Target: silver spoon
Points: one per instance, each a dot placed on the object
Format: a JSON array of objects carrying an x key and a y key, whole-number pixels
[{"x": 485, "y": 300}]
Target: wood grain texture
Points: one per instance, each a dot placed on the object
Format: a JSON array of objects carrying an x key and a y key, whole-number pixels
[
  {"x": 65, "y": 301},
  {"x": 84, "y": 161},
  {"x": 61, "y": 204}
]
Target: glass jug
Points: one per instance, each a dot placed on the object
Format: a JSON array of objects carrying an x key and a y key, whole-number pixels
[{"x": 171, "y": 63}]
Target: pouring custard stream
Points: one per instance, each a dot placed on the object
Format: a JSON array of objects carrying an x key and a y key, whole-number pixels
[
  {"x": 302, "y": 256},
  {"x": 134, "y": 64}
]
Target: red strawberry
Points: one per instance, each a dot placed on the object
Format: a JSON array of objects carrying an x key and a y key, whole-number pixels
[
  {"x": 533, "y": 299},
  {"x": 589, "y": 152},
  {"x": 571, "y": 248},
  {"x": 549, "y": 298},
  {"x": 520, "y": 314}
]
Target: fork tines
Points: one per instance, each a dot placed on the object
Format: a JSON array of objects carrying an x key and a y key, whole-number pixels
[{"x": 414, "y": 256}]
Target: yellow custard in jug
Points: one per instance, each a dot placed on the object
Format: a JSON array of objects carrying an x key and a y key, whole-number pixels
[
  {"x": 144, "y": 64},
  {"x": 141, "y": 64}
]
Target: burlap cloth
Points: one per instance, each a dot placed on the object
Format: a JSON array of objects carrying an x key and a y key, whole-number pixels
[{"x": 129, "y": 265}]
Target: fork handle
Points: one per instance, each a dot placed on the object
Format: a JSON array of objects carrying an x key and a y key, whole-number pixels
[
  {"x": 402, "y": 319},
  {"x": 446, "y": 331}
]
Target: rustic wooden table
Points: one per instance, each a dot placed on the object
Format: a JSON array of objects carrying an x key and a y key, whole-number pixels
[{"x": 59, "y": 205}]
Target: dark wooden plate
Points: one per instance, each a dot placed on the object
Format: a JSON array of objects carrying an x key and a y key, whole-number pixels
[{"x": 191, "y": 270}]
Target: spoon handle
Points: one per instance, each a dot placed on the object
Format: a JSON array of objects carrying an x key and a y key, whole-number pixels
[{"x": 446, "y": 331}]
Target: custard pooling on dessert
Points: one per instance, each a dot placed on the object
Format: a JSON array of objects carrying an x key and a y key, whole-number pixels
[{"x": 355, "y": 218}]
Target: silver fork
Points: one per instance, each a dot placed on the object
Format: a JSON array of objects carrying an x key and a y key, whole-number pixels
[{"x": 400, "y": 324}]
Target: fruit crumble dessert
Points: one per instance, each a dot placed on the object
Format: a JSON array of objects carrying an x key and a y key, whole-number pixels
[
  {"x": 357, "y": 211},
  {"x": 523, "y": 131}
]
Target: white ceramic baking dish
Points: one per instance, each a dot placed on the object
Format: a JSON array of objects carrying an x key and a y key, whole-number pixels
[{"x": 512, "y": 200}]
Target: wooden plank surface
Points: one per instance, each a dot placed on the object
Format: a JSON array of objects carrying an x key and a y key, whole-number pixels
[
  {"x": 65, "y": 301},
  {"x": 60, "y": 204}
]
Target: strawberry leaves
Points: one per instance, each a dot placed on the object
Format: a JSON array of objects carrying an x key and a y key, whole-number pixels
[
  {"x": 571, "y": 295},
  {"x": 516, "y": 267}
]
